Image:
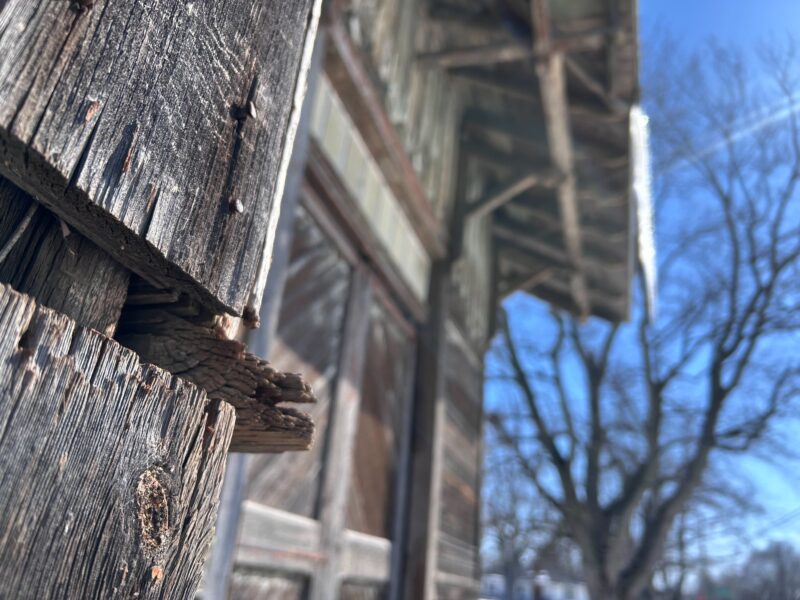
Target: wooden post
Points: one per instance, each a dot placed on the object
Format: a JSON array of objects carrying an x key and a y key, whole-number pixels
[
  {"x": 341, "y": 437},
  {"x": 220, "y": 565},
  {"x": 110, "y": 469},
  {"x": 424, "y": 492}
]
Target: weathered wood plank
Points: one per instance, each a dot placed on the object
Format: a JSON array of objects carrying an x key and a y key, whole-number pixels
[
  {"x": 160, "y": 129},
  {"x": 220, "y": 565},
  {"x": 57, "y": 266},
  {"x": 110, "y": 469},
  {"x": 197, "y": 348},
  {"x": 274, "y": 540}
]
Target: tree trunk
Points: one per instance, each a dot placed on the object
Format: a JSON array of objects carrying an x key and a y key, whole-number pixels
[{"x": 599, "y": 586}]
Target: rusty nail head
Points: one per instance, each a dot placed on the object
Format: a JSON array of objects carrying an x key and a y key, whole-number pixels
[{"x": 235, "y": 205}]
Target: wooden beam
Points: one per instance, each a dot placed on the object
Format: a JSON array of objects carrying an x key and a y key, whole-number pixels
[
  {"x": 275, "y": 540},
  {"x": 116, "y": 463},
  {"x": 492, "y": 80},
  {"x": 552, "y": 86},
  {"x": 592, "y": 146},
  {"x": 604, "y": 280},
  {"x": 516, "y": 88},
  {"x": 278, "y": 541},
  {"x": 366, "y": 558},
  {"x": 448, "y": 14},
  {"x": 186, "y": 192},
  {"x": 510, "y": 125},
  {"x": 498, "y": 159},
  {"x": 602, "y": 306},
  {"x": 616, "y": 105},
  {"x": 488, "y": 54},
  {"x": 528, "y": 283},
  {"x": 511, "y": 237},
  {"x": 498, "y": 197}
]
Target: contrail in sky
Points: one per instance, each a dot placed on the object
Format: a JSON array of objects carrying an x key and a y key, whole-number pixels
[{"x": 748, "y": 126}]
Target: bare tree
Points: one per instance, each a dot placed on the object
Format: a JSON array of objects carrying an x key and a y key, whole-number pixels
[
  {"x": 616, "y": 425},
  {"x": 769, "y": 574},
  {"x": 517, "y": 526}
]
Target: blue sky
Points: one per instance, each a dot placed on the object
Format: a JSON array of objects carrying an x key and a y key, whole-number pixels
[
  {"x": 746, "y": 23},
  {"x": 743, "y": 21}
]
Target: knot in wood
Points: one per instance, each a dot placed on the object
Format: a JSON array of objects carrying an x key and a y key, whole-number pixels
[{"x": 152, "y": 506}]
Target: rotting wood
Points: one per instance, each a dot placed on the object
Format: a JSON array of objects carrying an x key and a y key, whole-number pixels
[
  {"x": 128, "y": 121},
  {"x": 60, "y": 268},
  {"x": 110, "y": 469},
  {"x": 191, "y": 343}
]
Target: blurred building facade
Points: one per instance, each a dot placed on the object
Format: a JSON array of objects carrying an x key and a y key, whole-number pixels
[{"x": 449, "y": 154}]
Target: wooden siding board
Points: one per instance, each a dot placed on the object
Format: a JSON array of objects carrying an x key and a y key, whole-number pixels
[
  {"x": 93, "y": 510},
  {"x": 277, "y": 541},
  {"x": 380, "y": 426},
  {"x": 123, "y": 119},
  {"x": 256, "y": 586},
  {"x": 309, "y": 340}
]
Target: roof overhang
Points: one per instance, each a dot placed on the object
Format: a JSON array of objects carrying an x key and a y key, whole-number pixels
[{"x": 552, "y": 120}]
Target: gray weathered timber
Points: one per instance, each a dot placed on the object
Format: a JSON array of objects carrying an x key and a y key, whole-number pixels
[
  {"x": 110, "y": 469},
  {"x": 180, "y": 338},
  {"x": 57, "y": 266},
  {"x": 160, "y": 129}
]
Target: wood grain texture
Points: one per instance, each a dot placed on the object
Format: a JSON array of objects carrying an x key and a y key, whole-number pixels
[
  {"x": 185, "y": 340},
  {"x": 110, "y": 469},
  {"x": 57, "y": 266},
  {"x": 160, "y": 129}
]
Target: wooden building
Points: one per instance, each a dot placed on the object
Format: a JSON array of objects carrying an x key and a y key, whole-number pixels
[{"x": 168, "y": 186}]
